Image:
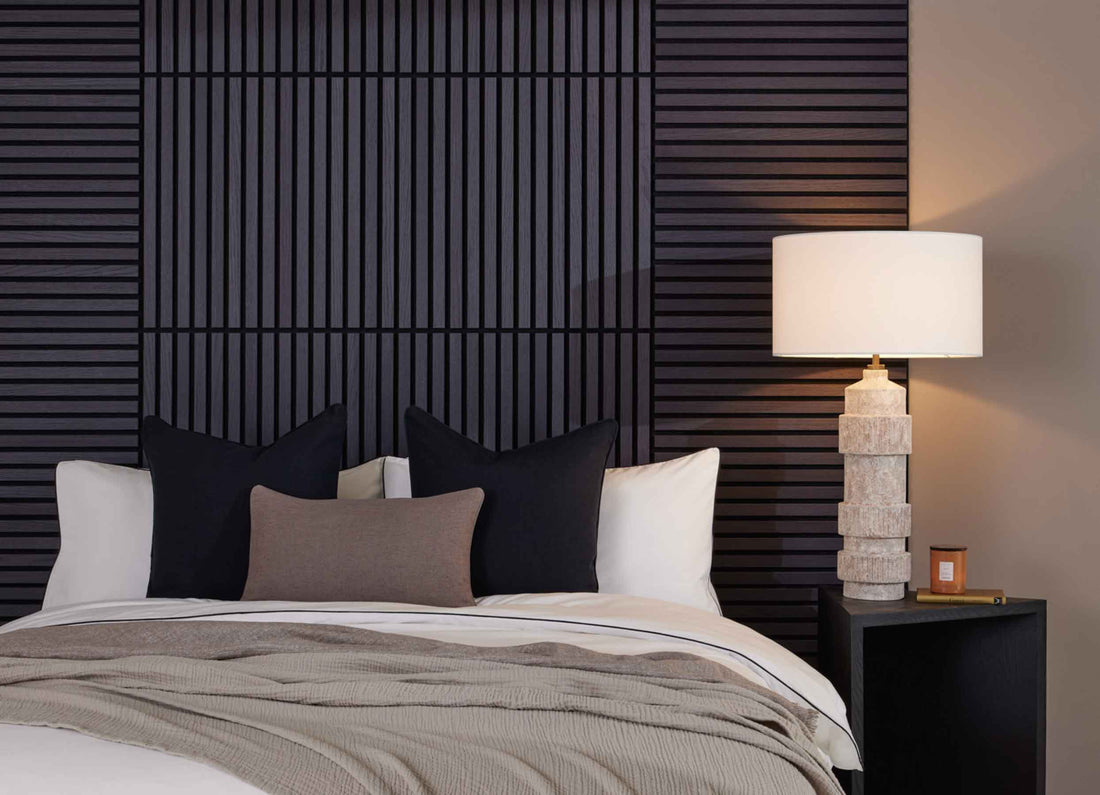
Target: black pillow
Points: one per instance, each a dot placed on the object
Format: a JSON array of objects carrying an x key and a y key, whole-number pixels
[
  {"x": 201, "y": 487},
  {"x": 537, "y": 527}
]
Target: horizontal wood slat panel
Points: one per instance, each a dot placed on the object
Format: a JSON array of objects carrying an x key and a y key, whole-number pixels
[
  {"x": 805, "y": 128},
  {"x": 69, "y": 361}
]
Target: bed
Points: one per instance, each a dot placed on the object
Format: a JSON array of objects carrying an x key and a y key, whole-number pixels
[
  {"x": 580, "y": 692},
  {"x": 241, "y": 618}
]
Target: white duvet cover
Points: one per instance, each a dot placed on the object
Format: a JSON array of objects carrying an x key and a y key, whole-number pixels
[{"x": 39, "y": 760}]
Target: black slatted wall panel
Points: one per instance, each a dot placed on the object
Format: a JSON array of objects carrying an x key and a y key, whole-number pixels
[
  {"x": 519, "y": 215},
  {"x": 771, "y": 117},
  {"x": 69, "y": 142},
  {"x": 434, "y": 203}
]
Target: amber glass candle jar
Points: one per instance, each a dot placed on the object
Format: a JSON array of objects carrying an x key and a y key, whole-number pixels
[{"x": 948, "y": 569}]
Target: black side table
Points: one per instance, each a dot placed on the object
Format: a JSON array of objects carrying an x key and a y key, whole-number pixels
[{"x": 942, "y": 698}]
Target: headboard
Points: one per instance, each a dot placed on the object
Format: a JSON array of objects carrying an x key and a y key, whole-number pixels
[{"x": 521, "y": 216}]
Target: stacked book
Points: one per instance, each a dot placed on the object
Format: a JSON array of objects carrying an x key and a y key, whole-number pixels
[{"x": 994, "y": 596}]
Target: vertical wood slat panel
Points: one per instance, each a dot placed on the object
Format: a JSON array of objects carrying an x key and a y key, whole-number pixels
[
  {"x": 319, "y": 219},
  {"x": 767, "y": 120},
  {"x": 70, "y": 182}
]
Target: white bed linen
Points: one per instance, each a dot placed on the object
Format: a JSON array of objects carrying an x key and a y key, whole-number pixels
[{"x": 37, "y": 760}]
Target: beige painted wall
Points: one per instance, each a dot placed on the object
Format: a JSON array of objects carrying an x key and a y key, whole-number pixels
[{"x": 1005, "y": 125}]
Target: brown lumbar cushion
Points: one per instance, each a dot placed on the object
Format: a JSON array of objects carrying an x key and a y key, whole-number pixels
[{"x": 412, "y": 550}]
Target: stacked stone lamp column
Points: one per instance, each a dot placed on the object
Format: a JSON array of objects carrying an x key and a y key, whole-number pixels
[{"x": 876, "y": 437}]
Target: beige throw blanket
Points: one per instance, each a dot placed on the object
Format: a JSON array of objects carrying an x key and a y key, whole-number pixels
[{"x": 299, "y": 708}]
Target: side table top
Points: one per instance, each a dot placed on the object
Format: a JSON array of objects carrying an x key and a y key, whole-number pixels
[{"x": 910, "y": 611}]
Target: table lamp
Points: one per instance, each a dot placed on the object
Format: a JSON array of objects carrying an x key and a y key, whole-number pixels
[{"x": 873, "y": 294}]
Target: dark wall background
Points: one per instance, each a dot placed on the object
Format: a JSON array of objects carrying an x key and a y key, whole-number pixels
[{"x": 521, "y": 216}]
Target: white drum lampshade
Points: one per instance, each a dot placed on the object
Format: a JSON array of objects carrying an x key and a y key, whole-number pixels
[
  {"x": 898, "y": 294},
  {"x": 870, "y": 294}
]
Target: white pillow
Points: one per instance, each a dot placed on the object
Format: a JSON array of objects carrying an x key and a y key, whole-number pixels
[
  {"x": 395, "y": 477},
  {"x": 656, "y": 532},
  {"x": 106, "y": 517}
]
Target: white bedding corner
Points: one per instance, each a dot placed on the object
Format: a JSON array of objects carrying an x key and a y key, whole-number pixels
[{"x": 601, "y": 622}]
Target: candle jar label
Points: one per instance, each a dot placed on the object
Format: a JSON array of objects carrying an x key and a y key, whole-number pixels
[{"x": 948, "y": 572}]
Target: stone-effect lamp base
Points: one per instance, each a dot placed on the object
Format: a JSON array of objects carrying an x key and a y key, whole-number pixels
[{"x": 876, "y": 436}]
